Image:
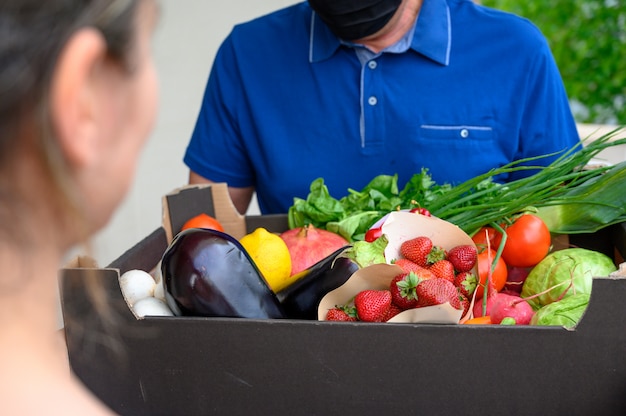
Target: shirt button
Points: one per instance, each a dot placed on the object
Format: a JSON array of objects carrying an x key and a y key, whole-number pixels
[
  {"x": 464, "y": 133},
  {"x": 372, "y": 100},
  {"x": 372, "y": 64}
]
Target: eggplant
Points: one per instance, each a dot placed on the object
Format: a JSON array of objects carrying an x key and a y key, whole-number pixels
[
  {"x": 301, "y": 298},
  {"x": 208, "y": 273}
]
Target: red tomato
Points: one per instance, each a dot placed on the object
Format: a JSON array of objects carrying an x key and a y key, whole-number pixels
[
  {"x": 203, "y": 221},
  {"x": 483, "y": 235},
  {"x": 528, "y": 241},
  {"x": 499, "y": 275}
]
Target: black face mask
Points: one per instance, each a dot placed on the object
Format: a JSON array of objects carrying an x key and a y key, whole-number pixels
[{"x": 355, "y": 19}]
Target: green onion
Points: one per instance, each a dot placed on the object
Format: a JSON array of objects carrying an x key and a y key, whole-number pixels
[{"x": 570, "y": 198}]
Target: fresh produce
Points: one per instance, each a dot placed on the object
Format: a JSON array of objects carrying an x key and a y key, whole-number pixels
[
  {"x": 528, "y": 241},
  {"x": 497, "y": 276},
  {"x": 151, "y": 306},
  {"x": 483, "y": 307},
  {"x": 407, "y": 265},
  {"x": 394, "y": 294},
  {"x": 403, "y": 289},
  {"x": 372, "y": 305},
  {"x": 516, "y": 276},
  {"x": 300, "y": 299},
  {"x": 364, "y": 253},
  {"x": 565, "y": 273},
  {"x": 203, "y": 221},
  {"x": 568, "y": 197},
  {"x": 485, "y": 238},
  {"x": 479, "y": 320},
  {"x": 510, "y": 306},
  {"x": 466, "y": 283},
  {"x": 209, "y": 273},
  {"x": 463, "y": 257},
  {"x": 566, "y": 312},
  {"x": 142, "y": 294},
  {"x": 307, "y": 245},
  {"x": 136, "y": 285},
  {"x": 417, "y": 250},
  {"x": 341, "y": 314},
  {"x": 271, "y": 255},
  {"x": 373, "y": 233},
  {"x": 444, "y": 269},
  {"x": 436, "y": 292}
]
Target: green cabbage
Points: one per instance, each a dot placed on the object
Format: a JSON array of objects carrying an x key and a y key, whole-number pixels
[
  {"x": 566, "y": 312},
  {"x": 565, "y": 273}
]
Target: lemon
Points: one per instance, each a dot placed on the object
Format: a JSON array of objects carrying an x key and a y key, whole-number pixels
[{"x": 271, "y": 255}]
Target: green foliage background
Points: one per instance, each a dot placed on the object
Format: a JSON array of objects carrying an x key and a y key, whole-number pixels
[{"x": 588, "y": 40}]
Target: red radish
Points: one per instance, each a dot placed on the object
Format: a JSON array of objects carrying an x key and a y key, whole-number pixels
[
  {"x": 478, "y": 306},
  {"x": 307, "y": 245},
  {"x": 510, "y": 306}
]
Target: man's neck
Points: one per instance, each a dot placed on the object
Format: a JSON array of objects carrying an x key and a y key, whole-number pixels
[{"x": 395, "y": 29}]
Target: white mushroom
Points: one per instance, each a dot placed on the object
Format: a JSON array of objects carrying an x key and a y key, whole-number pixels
[
  {"x": 136, "y": 285},
  {"x": 151, "y": 307}
]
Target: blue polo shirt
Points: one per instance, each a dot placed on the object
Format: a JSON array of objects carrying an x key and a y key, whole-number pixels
[{"x": 286, "y": 102}]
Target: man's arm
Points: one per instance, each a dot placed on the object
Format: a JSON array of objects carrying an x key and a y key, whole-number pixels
[{"x": 241, "y": 197}]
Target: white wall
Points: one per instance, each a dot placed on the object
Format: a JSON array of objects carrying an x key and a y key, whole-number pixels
[{"x": 187, "y": 38}]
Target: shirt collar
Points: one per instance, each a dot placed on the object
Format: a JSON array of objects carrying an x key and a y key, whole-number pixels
[{"x": 432, "y": 37}]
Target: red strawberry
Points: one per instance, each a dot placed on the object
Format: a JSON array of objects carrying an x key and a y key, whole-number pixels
[
  {"x": 466, "y": 282},
  {"x": 465, "y": 304},
  {"x": 443, "y": 269},
  {"x": 372, "y": 305},
  {"x": 417, "y": 250},
  {"x": 436, "y": 292},
  {"x": 463, "y": 257},
  {"x": 407, "y": 265},
  {"x": 423, "y": 273},
  {"x": 393, "y": 311},
  {"x": 402, "y": 288},
  {"x": 340, "y": 313}
]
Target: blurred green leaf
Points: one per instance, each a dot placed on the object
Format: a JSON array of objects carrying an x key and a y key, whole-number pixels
[{"x": 588, "y": 41}]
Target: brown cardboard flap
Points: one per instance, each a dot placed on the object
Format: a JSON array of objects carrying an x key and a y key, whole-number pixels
[
  {"x": 81, "y": 262},
  {"x": 188, "y": 201}
]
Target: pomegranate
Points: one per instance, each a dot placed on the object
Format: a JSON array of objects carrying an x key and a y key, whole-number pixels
[{"x": 307, "y": 245}]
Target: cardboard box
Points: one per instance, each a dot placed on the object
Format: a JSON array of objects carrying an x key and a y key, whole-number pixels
[{"x": 228, "y": 366}]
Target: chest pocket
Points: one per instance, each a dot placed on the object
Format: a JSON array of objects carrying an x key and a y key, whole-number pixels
[
  {"x": 456, "y": 134},
  {"x": 454, "y": 153}
]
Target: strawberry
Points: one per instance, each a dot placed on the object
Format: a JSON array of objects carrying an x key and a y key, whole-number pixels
[
  {"x": 393, "y": 311},
  {"x": 463, "y": 257},
  {"x": 423, "y": 273},
  {"x": 341, "y": 313},
  {"x": 436, "y": 292},
  {"x": 417, "y": 250},
  {"x": 443, "y": 269},
  {"x": 372, "y": 305},
  {"x": 465, "y": 304},
  {"x": 466, "y": 282},
  {"x": 402, "y": 288},
  {"x": 407, "y": 265}
]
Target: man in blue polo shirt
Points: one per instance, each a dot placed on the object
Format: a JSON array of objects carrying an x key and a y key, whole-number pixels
[{"x": 349, "y": 89}]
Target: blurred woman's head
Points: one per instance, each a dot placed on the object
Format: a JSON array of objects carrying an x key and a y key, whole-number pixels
[{"x": 78, "y": 98}]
